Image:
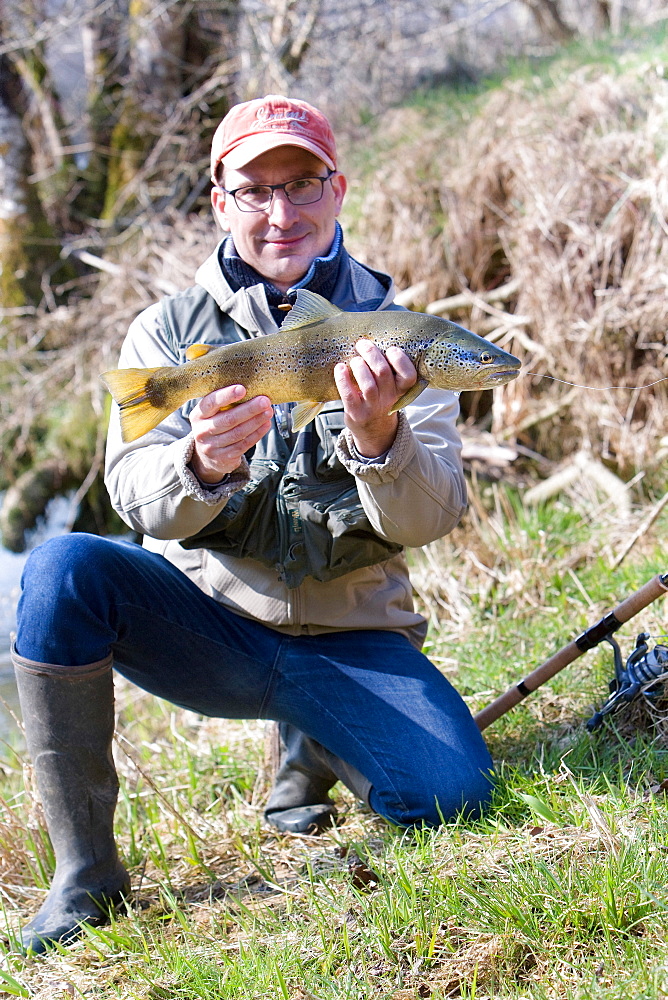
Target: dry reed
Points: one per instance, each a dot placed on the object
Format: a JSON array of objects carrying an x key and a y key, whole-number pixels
[{"x": 563, "y": 190}]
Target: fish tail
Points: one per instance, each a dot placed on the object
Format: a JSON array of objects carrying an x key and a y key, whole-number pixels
[{"x": 131, "y": 390}]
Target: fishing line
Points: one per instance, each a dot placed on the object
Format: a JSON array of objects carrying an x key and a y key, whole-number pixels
[{"x": 598, "y": 388}]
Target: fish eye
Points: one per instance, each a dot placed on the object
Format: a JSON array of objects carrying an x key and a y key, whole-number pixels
[{"x": 486, "y": 358}]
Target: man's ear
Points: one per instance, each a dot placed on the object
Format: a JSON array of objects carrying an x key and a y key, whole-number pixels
[
  {"x": 219, "y": 204},
  {"x": 339, "y": 186}
]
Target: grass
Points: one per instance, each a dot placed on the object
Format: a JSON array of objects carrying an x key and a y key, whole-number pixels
[
  {"x": 455, "y": 103},
  {"x": 561, "y": 891}
]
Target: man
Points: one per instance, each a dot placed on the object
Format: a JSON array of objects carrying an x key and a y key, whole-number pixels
[{"x": 271, "y": 583}]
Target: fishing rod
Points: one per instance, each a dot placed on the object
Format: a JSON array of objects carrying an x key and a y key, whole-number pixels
[{"x": 599, "y": 632}]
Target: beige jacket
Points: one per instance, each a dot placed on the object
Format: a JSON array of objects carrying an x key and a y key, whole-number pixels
[{"x": 415, "y": 495}]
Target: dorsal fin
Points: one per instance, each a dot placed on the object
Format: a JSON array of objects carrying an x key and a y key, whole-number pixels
[
  {"x": 197, "y": 351},
  {"x": 309, "y": 308}
]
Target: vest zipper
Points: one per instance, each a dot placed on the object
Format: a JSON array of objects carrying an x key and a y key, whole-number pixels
[{"x": 290, "y": 529}]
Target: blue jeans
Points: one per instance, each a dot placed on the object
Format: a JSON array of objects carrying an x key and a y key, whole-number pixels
[{"x": 368, "y": 696}]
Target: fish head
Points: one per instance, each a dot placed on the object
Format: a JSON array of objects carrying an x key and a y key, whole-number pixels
[{"x": 460, "y": 360}]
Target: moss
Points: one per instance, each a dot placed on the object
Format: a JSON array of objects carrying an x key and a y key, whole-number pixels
[
  {"x": 130, "y": 141},
  {"x": 12, "y": 248},
  {"x": 27, "y": 500},
  {"x": 27, "y": 249},
  {"x": 72, "y": 430}
]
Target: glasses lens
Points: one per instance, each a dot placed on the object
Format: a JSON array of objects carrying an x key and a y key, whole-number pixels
[
  {"x": 253, "y": 199},
  {"x": 305, "y": 191}
]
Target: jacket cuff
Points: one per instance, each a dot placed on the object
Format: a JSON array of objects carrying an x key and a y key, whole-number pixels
[
  {"x": 211, "y": 495},
  {"x": 385, "y": 470}
]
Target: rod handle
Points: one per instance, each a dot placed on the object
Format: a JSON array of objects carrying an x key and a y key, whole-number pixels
[{"x": 591, "y": 637}]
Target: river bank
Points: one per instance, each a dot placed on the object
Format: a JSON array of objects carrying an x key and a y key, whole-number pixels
[{"x": 11, "y": 568}]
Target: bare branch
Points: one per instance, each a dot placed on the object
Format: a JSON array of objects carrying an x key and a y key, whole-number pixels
[{"x": 53, "y": 27}]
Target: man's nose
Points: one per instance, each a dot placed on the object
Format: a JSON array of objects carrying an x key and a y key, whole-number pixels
[{"x": 281, "y": 211}]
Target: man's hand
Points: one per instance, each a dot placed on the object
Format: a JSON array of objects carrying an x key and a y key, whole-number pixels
[
  {"x": 221, "y": 438},
  {"x": 369, "y": 387}
]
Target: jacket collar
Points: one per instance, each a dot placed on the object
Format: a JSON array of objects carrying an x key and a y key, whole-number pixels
[{"x": 358, "y": 288}]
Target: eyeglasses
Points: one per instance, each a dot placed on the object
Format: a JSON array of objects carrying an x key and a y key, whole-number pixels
[{"x": 258, "y": 197}]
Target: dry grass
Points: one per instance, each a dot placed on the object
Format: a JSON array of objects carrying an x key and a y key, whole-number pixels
[
  {"x": 53, "y": 407},
  {"x": 66, "y": 347},
  {"x": 561, "y": 188}
]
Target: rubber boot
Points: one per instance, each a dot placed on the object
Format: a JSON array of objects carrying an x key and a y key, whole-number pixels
[
  {"x": 68, "y": 714},
  {"x": 299, "y": 801}
]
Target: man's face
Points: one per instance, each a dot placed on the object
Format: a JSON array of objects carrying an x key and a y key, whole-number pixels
[{"x": 281, "y": 242}]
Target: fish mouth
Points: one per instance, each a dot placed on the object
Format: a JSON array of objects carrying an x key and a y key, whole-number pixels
[
  {"x": 504, "y": 373},
  {"x": 489, "y": 379}
]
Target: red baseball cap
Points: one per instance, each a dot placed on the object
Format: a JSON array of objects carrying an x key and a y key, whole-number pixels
[{"x": 249, "y": 129}]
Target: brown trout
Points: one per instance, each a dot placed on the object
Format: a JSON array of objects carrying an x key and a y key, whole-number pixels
[{"x": 296, "y": 364}]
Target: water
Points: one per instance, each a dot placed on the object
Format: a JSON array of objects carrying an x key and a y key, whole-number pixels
[
  {"x": 11, "y": 566},
  {"x": 58, "y": 514}
]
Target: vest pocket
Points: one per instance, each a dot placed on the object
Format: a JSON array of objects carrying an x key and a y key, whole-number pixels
[
  {"x": 301, "y": 513},
  {"x": 247, "y": 525}
]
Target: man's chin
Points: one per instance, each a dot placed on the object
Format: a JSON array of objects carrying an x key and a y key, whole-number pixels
[{"x": 285, "y": 271}]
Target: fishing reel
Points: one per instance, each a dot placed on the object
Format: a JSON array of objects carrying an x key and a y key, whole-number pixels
[{"x": 643, "y": 674}]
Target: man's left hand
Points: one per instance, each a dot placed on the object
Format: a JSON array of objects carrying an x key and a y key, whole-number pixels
[{"x": 369, "y": 385}]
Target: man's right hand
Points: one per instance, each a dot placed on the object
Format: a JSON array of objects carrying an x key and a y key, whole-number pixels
[{"x": 222, "y": 438}]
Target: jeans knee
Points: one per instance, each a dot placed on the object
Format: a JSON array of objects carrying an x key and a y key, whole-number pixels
[
  {"x": 63, "y": 607},
  {"x": 61, "y": 564},
  {"x": 439, "y": 802}
]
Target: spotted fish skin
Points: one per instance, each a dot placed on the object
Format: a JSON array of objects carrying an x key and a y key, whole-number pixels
[{"x": 296, "y": 364}]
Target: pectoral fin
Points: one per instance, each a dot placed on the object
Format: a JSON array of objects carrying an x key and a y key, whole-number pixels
[
  {"x": 305, "y": 412},
  {"x": 411, "y": 395},
  {"x": 196, "y": 351}
]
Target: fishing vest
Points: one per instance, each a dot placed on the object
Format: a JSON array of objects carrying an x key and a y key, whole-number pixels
[{"x": 300, "y": 513}]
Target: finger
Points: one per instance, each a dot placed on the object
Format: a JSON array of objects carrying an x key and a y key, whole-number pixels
[
  {"x": 250, "y": 440},
  {"x": 393, "y": 371},
  {"x": 219, "y": 449},
  {"x": 220, "y": 398},
  {"x": 225, "y": 429},
  {"x": 375, "y": 359},
  {"x": 346, "y": 384},
  {"x": 226, "y": 420},
  {"x": 215, "y": 455},
  {"x": 368, "y": 381},
  {"x": 224, "y": 417},
  {"x": 404, "y": 369}
]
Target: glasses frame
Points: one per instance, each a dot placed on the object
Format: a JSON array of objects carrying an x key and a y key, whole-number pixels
[{"x": 279, "y": 187}]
